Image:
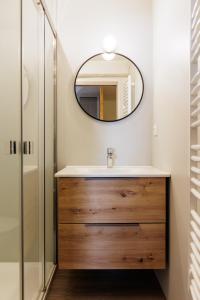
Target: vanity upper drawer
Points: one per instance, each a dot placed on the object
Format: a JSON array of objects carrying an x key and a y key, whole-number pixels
[
  {"x": 111, "y": 246},
  {"x": 109, "y": 200}
]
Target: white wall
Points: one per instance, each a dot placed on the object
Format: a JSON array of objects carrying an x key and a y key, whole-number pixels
[
  {"x": 82, "y": 26},
  {"x": 171, "y": 146}
]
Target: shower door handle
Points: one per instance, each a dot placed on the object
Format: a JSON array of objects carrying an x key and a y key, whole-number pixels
[
  {"x": 13, "y": 147},
  {"x": 27, "y": 149}
]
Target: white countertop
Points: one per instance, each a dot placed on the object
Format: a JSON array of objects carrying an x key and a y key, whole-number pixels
[{"x": 116, "y": 171}]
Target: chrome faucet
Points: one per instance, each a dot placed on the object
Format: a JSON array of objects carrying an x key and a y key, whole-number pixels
[{"x": 109, "y": 157}]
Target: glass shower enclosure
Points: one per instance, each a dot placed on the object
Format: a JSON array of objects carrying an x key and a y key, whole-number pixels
[
  {"x": 27, "y": 149},
  {"x": 10, "y": 157}
]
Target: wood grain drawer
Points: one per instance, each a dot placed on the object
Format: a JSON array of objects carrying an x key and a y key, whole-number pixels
[
  {"x": 108, "y": 200},
  {"x": 111, "y": 246}
]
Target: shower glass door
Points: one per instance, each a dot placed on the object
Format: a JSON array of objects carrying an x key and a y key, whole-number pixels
[
  {"x": 33, "y": 147},
  {"x": 27, "y": 96},
  {"x": 49, "y": 149},
  {"x": 10, "y": 156}
]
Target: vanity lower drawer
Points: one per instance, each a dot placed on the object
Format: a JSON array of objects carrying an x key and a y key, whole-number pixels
[
  {"x": 109, "y": 200},
  {"x": 111, "y": 246}
]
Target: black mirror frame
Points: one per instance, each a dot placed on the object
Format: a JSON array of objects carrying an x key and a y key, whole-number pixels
[{"x": 108, "y": 121}]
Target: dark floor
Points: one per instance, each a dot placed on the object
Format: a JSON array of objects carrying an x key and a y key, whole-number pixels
[{"x": 105, "y": 285}]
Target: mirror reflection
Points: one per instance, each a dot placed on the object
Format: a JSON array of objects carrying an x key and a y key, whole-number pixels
[{"x": 109, "y": 90}]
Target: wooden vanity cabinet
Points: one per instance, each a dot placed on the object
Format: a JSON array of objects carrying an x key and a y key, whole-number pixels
[{"x": 108, "y": 223}]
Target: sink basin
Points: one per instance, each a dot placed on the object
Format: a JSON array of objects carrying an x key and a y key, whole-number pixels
[{"x": 117, "y": 171}]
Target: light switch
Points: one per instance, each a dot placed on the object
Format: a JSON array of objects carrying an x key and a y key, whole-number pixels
[{"x": 155, "y": 130}]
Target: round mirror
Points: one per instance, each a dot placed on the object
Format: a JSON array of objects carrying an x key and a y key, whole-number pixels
[{"x": 109, "y": 87}]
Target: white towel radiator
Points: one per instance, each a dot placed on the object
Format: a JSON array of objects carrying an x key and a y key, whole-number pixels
[{"x": 194, "y": 275}]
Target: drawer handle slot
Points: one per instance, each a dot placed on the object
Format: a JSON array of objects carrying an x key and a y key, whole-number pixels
[{"x": 112, "y": 225}]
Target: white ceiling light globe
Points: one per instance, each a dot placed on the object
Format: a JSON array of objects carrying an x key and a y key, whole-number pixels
[{"x": 109, "y": 44}]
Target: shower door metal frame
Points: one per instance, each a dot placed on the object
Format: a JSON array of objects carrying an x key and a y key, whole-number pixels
[
  {"x": 21, "y": 150},
  {"x": 45, "y": 286}
]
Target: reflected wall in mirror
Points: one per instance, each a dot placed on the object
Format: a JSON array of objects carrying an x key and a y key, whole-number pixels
[{"x": 109, "y": 90}]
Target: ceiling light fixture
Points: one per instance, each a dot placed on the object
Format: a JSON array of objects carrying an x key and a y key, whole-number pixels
[{"x": 109, "y": 46}]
